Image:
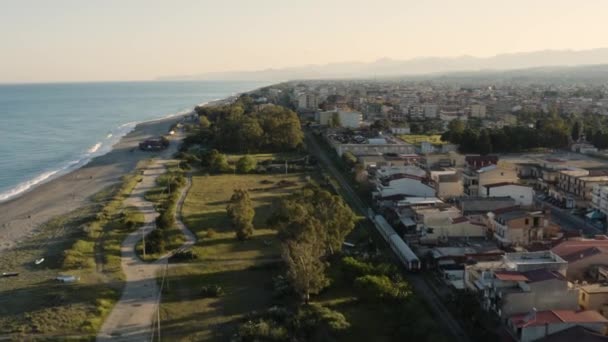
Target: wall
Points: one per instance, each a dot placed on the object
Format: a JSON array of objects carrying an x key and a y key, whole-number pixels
[
  {"x": 498, "y": 175},
  {"x": 521, "y": 194},
  {"x": 592, "y": 301},
  {"x": 546, "y": 295},
  {"x": 449, "y": 189},
  {"x": 576, "y": 270}
]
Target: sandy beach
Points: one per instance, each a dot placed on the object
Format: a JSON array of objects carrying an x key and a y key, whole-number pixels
[{"x": 21, "y": 216}]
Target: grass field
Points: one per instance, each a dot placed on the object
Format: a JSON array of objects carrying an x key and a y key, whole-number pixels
[
  {"x": 244, "y": 269},
  {"x": 84, "y": 243},
  {"x": 416, "y": 139}
]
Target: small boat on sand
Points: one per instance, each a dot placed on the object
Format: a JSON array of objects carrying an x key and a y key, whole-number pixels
[{"x": 9, "y": 274}]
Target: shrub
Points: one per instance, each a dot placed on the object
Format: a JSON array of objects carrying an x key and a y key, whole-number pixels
[
  {"x": 211, "y": 291},
  {"x": 246, "y": 164},
  {"x": 184, "y": 255},
  {"x": 155, "y": 241},
  {"x": 372, "y": 287}
]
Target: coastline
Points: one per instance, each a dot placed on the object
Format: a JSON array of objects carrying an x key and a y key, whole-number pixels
[{"x": 21, "y": 216}]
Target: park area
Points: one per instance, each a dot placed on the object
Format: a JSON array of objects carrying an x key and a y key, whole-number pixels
[{"x": 243, "y": 269}]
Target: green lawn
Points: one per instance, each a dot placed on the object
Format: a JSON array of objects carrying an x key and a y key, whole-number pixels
[
  {"x": 244, "y": 269},
  {"x": 204, "y": 211},
  {"x": 416, "y": 139}
]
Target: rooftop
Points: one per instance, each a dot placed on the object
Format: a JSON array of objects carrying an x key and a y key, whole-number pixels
[
  {"x": 555, "y": 317},
  {"x": 540, "y": 257}
]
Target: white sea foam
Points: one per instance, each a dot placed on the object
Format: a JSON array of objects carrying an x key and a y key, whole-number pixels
[{"x": 94, "y": 148}]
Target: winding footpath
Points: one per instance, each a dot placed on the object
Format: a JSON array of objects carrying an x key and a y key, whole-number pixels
[{"x": 132, "y": 317}]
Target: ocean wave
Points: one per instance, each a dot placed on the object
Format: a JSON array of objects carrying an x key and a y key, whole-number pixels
[
  {"x": 25, "y": 186},
  {"x": 98, "y": 149},
  {"x": 94, "y": 148}
]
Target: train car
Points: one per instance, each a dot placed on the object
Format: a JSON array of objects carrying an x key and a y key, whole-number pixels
[
  {"x": 384, "y": 227},
  {"x": 404, "y": 253}
]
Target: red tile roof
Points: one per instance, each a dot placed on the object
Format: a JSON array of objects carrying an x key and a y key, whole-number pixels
[
  {"x": 569, "y": 247},
  {"x": 557, "y": 316},
  {"x": 510, "y": 276}
]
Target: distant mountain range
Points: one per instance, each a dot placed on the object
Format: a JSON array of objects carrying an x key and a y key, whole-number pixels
[{"x": 418, "y": 66}]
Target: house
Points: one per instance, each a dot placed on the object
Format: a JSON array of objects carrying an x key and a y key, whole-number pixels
[
  {"x": 439, "y": 224},
  {"x": 477, "y": 162},
  {"x": 154, "y": 144},
  {"x": 594, "y": 297},
  {"x": 473, "y": 180},
  {"x": 579, "y": 183},
  {"x": 546, "y": 325},
  {"x": 402, "y": 184},
  {"x": 477, "y": 208},
  {"x": 340, "y": 118},
  {"x": 582, "y": 255},
  {"x": 447, "y": 184},
  {"x": 516, "y": 226},
  {"x": 523, "y": 195},
  {"x": 514, "y": 292}
]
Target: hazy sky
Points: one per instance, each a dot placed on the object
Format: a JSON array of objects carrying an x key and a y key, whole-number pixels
[{"x": 62, "y": 40}]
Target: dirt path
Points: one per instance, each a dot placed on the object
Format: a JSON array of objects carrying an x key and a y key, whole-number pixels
[{"x": 133, "y": 315}]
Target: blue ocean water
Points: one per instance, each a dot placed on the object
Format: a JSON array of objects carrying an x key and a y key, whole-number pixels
[{"x": 48, "y": 129}]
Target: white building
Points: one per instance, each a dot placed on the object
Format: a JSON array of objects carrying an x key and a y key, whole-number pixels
[
  {"x": 308, "y": 101},
  {"x": 405, "y": 185},
  {"x": 344, "y": 119},
  {"x": 599, "y": 198},
  {"x": 523, "y": 195},
  {"x": 430, "y": 110}
]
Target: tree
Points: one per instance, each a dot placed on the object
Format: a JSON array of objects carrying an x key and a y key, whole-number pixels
[
  {"x": 484, "y": 143},
  {"x": 215, "y": 161},
  {"x": 305, "y": 269},
  {"x": 241, "y": 214},
  {"x": 576, "y": 131},
  {"x": 246, "y": 164},
  {"x": 312, "y": 224},
  {"x": 349, "y": 159},
  {"x": 204, "y": 122}
]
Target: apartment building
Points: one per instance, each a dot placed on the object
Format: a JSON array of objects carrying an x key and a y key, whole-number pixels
[
  {"x": 474, "y": 180},
  {"x": 518, "y": 227}
]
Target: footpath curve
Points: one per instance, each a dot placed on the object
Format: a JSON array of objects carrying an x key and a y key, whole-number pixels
[{"x": 132, "y": 317}]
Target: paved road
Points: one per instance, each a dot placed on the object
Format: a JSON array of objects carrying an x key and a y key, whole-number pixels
[
  {"x": 568, "y": 221},
  {"x": 418, "y": 283},
  {"x": 133, "y": 315}
]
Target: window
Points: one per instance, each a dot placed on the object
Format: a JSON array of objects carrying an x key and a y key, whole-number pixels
[{"x": 527, "y": 221}]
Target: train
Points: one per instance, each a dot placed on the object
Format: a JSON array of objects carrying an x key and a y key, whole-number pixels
[{"x": 405, "y": 254}]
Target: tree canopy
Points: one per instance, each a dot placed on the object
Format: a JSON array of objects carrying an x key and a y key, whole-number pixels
[{"x": 241, "y": 213}]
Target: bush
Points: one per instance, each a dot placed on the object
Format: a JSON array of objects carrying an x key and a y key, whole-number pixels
[
  {"x": 210, "y": 233},
  {"x": 372, "y": 288},
  {"x": 246, "y": 164},
  {"x": 354, "y": 268},
  {"x": 184, "y": 256},
  {"x": 155, "y": 241},
  {"x": 211, "y": 291}
]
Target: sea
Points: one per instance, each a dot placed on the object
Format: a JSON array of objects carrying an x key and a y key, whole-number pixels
[{"x": 47, "y": 130}]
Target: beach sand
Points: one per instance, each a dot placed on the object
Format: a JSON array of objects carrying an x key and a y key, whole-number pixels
[{"x": 20, "y": 217}]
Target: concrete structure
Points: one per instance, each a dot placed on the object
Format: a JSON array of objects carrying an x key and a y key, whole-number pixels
[
  {"x": 523, "y": 195},
  {"x": 340, "y": 119},
  {"x": 308, "y": 102},
  {"x": 579, "y": 182},
  {"x": 447, "y": 184},
  {"x": 599, "y": 198},
  {"x": 516, "y": 226},
  {"x": 473, "y": 180},
  {"x": 544, "y": 325},
  {"x": 478, "y": 110},
  {"x": 405, "y": 185},
  {"x": 582, "y": 255},
  {"x": 430, "y": 110},
  {"x": 594, "y": 297}
]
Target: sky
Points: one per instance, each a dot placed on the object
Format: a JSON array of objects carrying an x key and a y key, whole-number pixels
[{"x": 75, "y": 40}]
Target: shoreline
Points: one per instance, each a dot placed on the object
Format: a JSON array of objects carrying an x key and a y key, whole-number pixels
[{"x": 22, "y": 215}]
